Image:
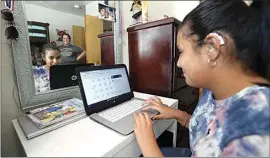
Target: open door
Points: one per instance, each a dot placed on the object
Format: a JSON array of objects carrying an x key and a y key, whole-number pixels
[
  {"x": 93, "y": 27},
  {"x": 78, "y": 36}
]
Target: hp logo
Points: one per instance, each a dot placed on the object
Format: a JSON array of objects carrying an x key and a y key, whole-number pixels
[{"x": 74, "y": 77}]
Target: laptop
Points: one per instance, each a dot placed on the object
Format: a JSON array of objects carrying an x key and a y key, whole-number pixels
[
  {"x": 108, "y": 98},
  {"x": 62, "y": 76}
]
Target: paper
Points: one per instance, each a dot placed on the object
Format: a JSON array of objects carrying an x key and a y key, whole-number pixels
[{"x": 45, "y": 116}]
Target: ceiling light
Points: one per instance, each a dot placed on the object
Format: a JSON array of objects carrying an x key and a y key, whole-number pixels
[{"x": 77, "y": 6}]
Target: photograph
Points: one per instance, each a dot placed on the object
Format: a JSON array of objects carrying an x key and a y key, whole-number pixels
[{"x": 106, "y": 12}]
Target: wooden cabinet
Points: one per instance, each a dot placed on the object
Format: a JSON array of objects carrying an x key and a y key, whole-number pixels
[
  {"x": 38, "y": 32},
  {"x": 153, "y": 56},
  {"x": 107, "y": 48},
  {"x": 38, "y": 36}
]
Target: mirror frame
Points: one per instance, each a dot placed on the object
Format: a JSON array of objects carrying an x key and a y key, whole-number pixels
[{"x": 29, "y": 99}]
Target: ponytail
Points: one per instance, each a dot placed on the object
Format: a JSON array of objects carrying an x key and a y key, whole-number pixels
[{"x": 261, "y": 26}]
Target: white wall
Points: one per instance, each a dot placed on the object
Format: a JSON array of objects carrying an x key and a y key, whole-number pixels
[
  {"x": 156, "y": 11},
  {"x": 92, "y": 8},
  {"x": 126, "y": 21},
  {"x": 10, "y": 145},
  {"x": 56, "y": 19},
  {"x": 182, "y": 8}
]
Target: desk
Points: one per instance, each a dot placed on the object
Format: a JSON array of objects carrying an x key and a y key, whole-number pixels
[{"x": 86, "y": 138}]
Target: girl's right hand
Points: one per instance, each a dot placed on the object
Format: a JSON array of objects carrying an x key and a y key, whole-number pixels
[{"x": 165, "y": 112}]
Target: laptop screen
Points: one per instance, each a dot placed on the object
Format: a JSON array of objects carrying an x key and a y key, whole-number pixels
[
  {"x": 106, "y": 84},
  {"x": 62, "y": 76}
]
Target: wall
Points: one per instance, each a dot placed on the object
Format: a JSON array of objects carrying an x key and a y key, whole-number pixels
[
  {"x": 182, "y": 8},
  {"x": 126, "y": 21},
  {"x": 10, "y": 145},
  {"x": 156, "y": 11},
  {"x": 92, "y": 8},
  {"x": 56, "y": 19}
]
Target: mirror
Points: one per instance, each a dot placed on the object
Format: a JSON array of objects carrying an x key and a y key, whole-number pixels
[
  {"x": 62, "y": 34},
  {"x": 58, "y": 37}
]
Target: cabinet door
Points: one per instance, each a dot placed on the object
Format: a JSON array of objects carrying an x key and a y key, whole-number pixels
[
  {"x": 107, "y": 50},
  {"x": 150, "y": 60},
  {"x": 78, "y": 36},
  {"x": 93, "y": 27}
]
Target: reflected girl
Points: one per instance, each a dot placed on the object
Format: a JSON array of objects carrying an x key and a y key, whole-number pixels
[{"x": 52, "y": 56}]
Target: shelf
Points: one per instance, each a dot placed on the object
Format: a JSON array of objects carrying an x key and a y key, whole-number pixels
[
  {"x": 37, "y": 31},
  {"x": 38, "y": 39}
]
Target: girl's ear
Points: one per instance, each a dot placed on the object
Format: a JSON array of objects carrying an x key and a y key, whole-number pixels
[{"x": 214, "y": 43}]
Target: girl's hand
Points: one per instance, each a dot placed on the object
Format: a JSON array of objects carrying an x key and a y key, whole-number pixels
[
  {"x": 165, "y": 112},
  {"x": 143, "y": 128}
]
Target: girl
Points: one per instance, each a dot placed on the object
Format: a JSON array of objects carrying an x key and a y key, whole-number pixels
[
  {"x": 224, "y": 49},
  {"x": 51, "y": 55}
]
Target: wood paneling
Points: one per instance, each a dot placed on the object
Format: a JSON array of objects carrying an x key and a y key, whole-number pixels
[
  {"x": 78, "y": 36},
  {"x": 153, "y": 56},
  {"x": 107, "y": 48},
  {"x": 150, "y": 59},
  {"x": 93, "y": 27}
]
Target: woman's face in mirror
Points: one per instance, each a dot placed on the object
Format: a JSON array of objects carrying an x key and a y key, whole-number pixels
[
  {"x": 102, "y": 12},
  {"x": 66, "y": 40},
  {"x": 52, "y": 57}
]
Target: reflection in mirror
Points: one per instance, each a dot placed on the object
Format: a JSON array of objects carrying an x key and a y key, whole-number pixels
[
  {"x": 51, "y": 55},
  {"x": 65, "y": 33}
]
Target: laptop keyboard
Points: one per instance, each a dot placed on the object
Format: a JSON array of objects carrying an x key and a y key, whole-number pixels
[{"x": 116, "y": 113}]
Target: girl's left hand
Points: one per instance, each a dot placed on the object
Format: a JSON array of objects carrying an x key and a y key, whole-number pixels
[{"x": 143, "y": 128}]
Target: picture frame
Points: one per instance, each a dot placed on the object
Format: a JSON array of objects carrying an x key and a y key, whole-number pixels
[{"x": 106, "y": 12}]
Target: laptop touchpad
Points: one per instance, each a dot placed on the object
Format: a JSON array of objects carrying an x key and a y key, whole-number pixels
[{"x": 151, "y": 112}]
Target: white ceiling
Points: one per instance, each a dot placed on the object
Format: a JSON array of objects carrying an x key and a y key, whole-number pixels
[{"x": 63, "y": 6}]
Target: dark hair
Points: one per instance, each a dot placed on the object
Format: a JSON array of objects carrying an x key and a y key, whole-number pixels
[
  {"x": 261, "y": 25},
  {"x": 102, "y": 8},
  {"x": 66, "y": 35},
  {"x": 48, "y": 47},
  {"x": 247, "y": 26}
]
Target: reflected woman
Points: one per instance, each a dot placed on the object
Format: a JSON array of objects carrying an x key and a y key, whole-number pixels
[
  {"x": 70, "y": 53},
  {"x": 52, "y": 56}
]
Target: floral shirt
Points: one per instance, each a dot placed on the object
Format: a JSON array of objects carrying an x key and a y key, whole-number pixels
[
  {"x": 236, "y": 126},
  {"x": 41, "y": 78}
]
